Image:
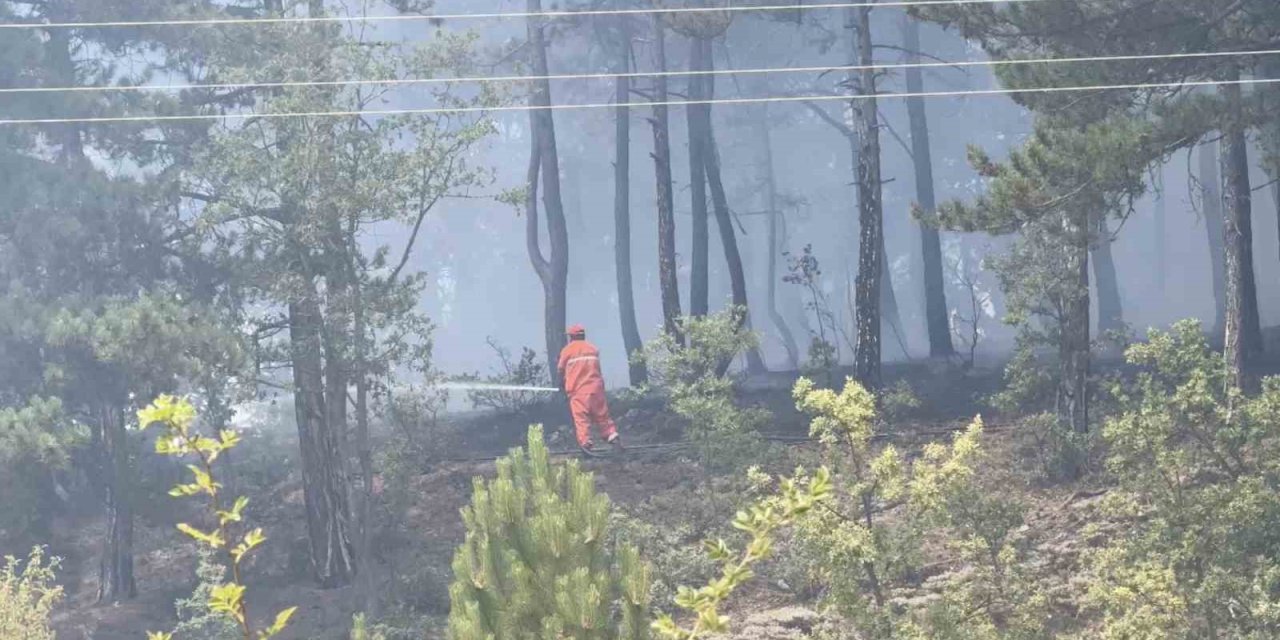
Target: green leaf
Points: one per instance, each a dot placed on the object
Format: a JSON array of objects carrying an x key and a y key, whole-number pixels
[
  {"x": 213, "y": 539},
  {"x": 228, "y": 599},
  {"x": 281, "y": 621},
  {"x": 236, "y": 514},
  {"x": 204, "y": 481},
  {"x": 250, "y": 541}
]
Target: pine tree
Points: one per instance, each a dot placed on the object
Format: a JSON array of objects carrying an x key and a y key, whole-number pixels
[{"x": 538, "y": 561}]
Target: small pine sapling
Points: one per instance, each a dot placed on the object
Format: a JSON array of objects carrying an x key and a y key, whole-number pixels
[
  {"x": 175, "y": 416},
  {"x": 538, "y": 560}
]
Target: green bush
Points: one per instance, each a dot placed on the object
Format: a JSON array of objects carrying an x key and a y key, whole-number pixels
[
  {"x": 723, "y": 433},
  {"x": 1198, "y": 467},
  {"x": 538, "y": 560},
  {"x": 28, "y": 594},
  {"x": 866, "y": 548}
]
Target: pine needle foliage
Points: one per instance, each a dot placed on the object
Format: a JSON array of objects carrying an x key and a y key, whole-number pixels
[{"x": 538, "y": 562}]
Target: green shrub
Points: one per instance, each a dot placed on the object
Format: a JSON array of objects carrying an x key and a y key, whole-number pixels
[
  {"x": 1198, "y": 467},
  {"x": 867, "y": 546},
  {"x": 723, "y": 433},
  {"x": 28, "y": 594},
  {"x": 527, "y": 370},
  {"x": 538, "y": 560}
]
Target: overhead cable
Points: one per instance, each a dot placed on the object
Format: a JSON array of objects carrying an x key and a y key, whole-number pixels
[
  {"x": 614, "y": 105},
  {"x": 634, "y": 74},
  {"x": 283, "y": 20}
]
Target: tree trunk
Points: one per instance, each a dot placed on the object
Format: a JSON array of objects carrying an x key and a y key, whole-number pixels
[
  {"x": 1211, "y": 203},
  {"x": 1242, "y": 334},
  {"x": 935, "y": 295},
  {"x": 774, "y": 247},
  {"x": 694, "y": 115},
  {"x": 324, "y": 492},
  {"x": 337, "y": 339},
  {"x": 115, "y": 569},
  {"x": 870, "y": 214},
  {"x": 554, "y": 269},
  {"x": 724, "y": 221},
  {"x": 364, "y": 532},
  {"x": 667, "y": 275},
  {"x": 1110, "y": 311},
  {"x": 1073, "y": 390},
  {"x": 362, "y": 343},
  {"x": 622, "y": 216}
]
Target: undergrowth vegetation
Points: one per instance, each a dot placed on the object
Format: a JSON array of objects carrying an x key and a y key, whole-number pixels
[
  {"x": 28, "y": 593},
  {"x": 693, "y": 372}
]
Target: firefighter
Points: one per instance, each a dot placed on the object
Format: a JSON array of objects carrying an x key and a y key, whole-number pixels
[{"x": 582, "y": 381}]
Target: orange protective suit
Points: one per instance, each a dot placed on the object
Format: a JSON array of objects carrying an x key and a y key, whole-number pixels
[{"x": 584, "y": 384}]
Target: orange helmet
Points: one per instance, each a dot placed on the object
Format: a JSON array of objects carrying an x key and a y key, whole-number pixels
[{"x": 576, "y": 331}]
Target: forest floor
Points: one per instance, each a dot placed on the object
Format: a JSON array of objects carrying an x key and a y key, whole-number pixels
[{"x": 420, "y": 524}]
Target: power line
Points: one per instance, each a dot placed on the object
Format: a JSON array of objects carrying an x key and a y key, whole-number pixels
[
  {"x": 205, "y": 22},
  {"x": 614, "y": 105},
  {"x": 634, "y": 74}
]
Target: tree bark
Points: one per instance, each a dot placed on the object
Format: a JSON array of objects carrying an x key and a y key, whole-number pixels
[
  {"x": 115, "y": 569},
  {"x": 870, "y": 214},
  {"x": 324, "y": 493},
  {"x": 1073, "y": 390},
  {"x": 695, "y": 114},
  {"x": 362, "y": 343},
  {"x": 667, "y": 274},
  {"x": 554, "y": 269},
  {"x": 622, "y": 215},
  {"x": 774, "y": 247},
  {"x": 1110, "y": 310},
  {"x": 1242, "y": 337},
  {"x": 935, "y": 296},
  {"x": 1211, "y": 203},
  {"x": 724, "y": 221}
]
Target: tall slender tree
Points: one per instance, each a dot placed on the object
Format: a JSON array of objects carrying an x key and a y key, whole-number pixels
[
  {"x": 544, "y": 162},
  {"x": 937, "y": 319},
  {"x": 695, "y": 114},
  {"x": 1209, "y": 194},
  {"x": 1107, "y": 284},
  {"x": 661, "y": 123},
  {"x": 1242, "y": 335},
  {"x": 871, "y": 257},
  {"x": 773, "y": 244},
  {"x": 720, "y": 203},
  {"x": 622, "y": 207}
]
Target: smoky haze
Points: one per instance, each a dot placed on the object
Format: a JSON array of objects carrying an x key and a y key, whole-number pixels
[{"x": 483, "y": 287}]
